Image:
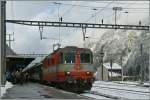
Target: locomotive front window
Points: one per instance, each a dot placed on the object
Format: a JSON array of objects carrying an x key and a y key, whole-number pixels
[
  {"x": 69, "y": 57},
  {"x": 85, "y": 58}
]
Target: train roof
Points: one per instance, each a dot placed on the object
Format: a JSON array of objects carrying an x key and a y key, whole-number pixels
[
  {"x": 38, "y": 60},
  {"x": 34, "y": 63},
  {"x": 68, "y": 48}
]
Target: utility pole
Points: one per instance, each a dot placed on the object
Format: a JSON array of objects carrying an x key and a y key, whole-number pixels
[
  {"x": 9, "y": 39},
  {"x": 142, "y": 73},
  {"x": 95, "y": 13},
  {"x": 126, "y": 12},
  {"x": 121, "y": 68},
  {"x": 84, "y": 33},
  {"x": 41, "y": 32},
  {"x": 59, "y": 18},
  {"x": 111, "y": 66},
  {"x": 2, "y": 41},
  {"x": 116, "y": 9},
  {"x": 149, "y": 46},
  {"x": 102, "y": 55}
]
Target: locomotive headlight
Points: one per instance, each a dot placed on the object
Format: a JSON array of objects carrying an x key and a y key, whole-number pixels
[
  {"x": 68, "y": 73},
  {"x": 87, "y": 72}
]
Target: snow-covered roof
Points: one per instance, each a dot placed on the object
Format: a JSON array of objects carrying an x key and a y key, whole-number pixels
[
  {"x": 34, "y": 63},
  {"x": 113, "y": 74},
  {"x": 114, "y": 66}
]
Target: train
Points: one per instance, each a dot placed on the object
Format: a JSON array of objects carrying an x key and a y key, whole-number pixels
[{"x": 68, "y": 68}]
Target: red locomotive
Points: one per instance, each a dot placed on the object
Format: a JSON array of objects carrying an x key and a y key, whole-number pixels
[{"x": 69, "y": 68}]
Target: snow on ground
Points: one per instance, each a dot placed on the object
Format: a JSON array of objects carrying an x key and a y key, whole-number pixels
[
  {"x": 127, "y": 91},
  {"x": 126, "y": 86},
  {"x": 4, "y": 89},
  {"x": 94, "y": 96}
]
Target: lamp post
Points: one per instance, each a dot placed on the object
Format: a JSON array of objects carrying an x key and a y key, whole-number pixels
[{"x": 102, "y": 55}]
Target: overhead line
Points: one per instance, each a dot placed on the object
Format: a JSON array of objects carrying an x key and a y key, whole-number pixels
[
  {"x": 68, "y": 10},
  {"x": 82, "y": 5},
  {"x": 99, "y": 11},
  {"x": 87, "y": 6},
  {"x": 119, "y": 2}
]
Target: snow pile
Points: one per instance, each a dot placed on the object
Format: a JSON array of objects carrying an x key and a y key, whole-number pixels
[{"x": 7, "y": 86}]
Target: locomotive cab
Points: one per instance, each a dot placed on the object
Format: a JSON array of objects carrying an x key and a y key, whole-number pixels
[{"x": 77, "y": 66}]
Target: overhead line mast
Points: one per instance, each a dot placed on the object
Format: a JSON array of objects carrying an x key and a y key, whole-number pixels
[
  {"x": 84, "y": 26},
  {"x": 78, "y": 25}
]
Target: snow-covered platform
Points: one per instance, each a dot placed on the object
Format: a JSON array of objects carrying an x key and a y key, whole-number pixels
[
  {"x": 38, "y": 91},
  {"x": 121, "y": 90}
]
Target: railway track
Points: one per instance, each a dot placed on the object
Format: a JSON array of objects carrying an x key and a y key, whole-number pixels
[
  {"x": 96, "y": 95},
  {"x": 127, "y": 90},
  {"x": 126, "y": 87},
  {"x": 109, "y": 90}
]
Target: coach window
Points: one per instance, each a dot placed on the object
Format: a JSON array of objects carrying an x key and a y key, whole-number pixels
[
  {"x": 69, "y": 58},
  {"x": 85, "y": 58}
]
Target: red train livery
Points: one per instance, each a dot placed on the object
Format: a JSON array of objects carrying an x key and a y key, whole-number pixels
[{"x": 69, "y": 68}]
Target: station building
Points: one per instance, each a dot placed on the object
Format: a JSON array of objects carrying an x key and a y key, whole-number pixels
[{"x": 14, "y": 61}]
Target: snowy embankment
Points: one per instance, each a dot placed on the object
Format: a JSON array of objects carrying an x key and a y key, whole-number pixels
[
  {"x": 122, "y": 91},
  {"x": 4, "y": 88}
]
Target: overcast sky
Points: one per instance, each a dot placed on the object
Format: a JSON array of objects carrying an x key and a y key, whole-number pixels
[{"x": 27, "y": 38}]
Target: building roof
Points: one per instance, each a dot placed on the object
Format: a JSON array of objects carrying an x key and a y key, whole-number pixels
[
  {"x": 9, "y": 51},
  {"x": 113, "y": 74},
  {"x": 114, "y": 66}
]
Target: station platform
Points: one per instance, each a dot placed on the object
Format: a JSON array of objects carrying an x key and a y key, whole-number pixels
[{"x": 38, "y": 91}]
